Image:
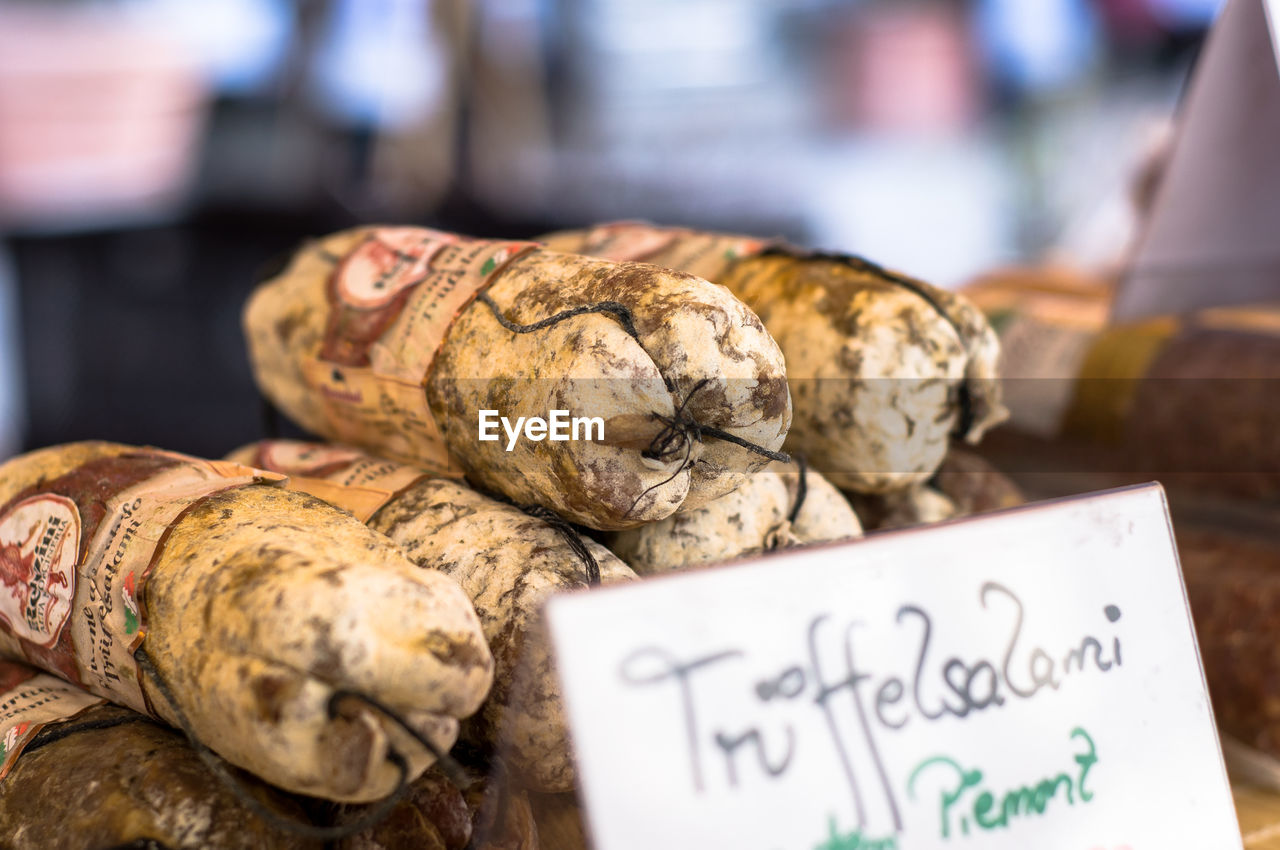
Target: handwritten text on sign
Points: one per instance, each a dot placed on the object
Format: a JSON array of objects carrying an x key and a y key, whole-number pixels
[{"x": 1026, "y": 679}]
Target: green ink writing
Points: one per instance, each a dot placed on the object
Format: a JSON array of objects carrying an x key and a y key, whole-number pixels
[
  {"x": 964, "y": 802},
  {"x": 854, "y": 840}
]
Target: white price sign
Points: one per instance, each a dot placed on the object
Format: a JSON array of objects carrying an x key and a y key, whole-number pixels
[{"x": 1024, "y": 680}]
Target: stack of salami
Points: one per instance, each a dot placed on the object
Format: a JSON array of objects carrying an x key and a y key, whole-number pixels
[{"x": 339, "y": 641}]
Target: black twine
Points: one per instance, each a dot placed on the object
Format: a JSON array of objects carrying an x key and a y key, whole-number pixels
[
  {"x": 682, "y": 428},
  {"x": 571, "y": 538},
  {"x": 616, "y": 309},
  {"x": 781, "y": 457},
  {"x": 964, "y": 398},
  {"x": 682, "y": 431},
  {"x": 678, "y": 432},
  {"x": 964, "y": 401},
  {"x": 683, "y": 465},
  {"x": 376, "y": 813},
  {"x": 802, "y": 489},
  {"x": 448, "y": 766},
  {"x": 51, "y": 734}
]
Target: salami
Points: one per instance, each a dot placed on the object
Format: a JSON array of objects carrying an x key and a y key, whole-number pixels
[
  {"x": 399, "y": 340},
  {"x": 883, "y": 368},
  {"x": 277, "y": 629},
  {"x": 507, "y": 562}
]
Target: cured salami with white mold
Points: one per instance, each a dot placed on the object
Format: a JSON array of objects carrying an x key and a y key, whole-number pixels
[
  {"x": 507, "y": 561},
  {"x": 277, "y": 630},
  {"x": 396, "y": 339},
  {"x": 782, "y": 506},
  {"x": 77, "y": 772},
  {"x": 883, "y": 368}
]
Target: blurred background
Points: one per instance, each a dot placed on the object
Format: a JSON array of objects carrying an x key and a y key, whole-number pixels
[{"x": 156, "y": 156}]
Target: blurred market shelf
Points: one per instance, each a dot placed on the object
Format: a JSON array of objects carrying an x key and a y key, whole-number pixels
[
  {"x": 937, "y": 209},
  {"x": 100, "y": 119}
]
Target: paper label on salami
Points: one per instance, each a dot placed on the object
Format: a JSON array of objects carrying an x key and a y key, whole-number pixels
[
  {"x": 707, "y": 255},
  {"x": 111, "y": 625},
  {"x": 389, "y": 261},
  {"x": 29, "y": 701},
  {"x": 393, "y": 300},
  {"x": 313, "y": 459},
  {"x": 39, "y": 542},
  {"x": 86, "y": 542},
  {"x": 345, "y": 477}
]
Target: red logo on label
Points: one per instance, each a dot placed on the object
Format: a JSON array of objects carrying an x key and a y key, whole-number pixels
[
  {"x": 390, "y": 260},
  {"x": 39, "y": 545}
]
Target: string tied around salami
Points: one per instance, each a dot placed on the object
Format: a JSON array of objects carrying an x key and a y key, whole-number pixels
[
  {"x": 447, "y": 765},
  {"x": 802, "y": 489},
  {"x": 679, "y": 429},
  {"x": 680, "y": 433},
  {"x": 963, "y": 398},
  {"x": 616, "y": 309},
  {"x": 569, "y": 534},
  {"x": 52, "y": 734},
  {"x": 376, "y": 813},
  {"x": 682, "y": 428}
]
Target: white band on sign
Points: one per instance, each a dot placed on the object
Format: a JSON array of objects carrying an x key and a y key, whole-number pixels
[{"x": 1028, "y": 679}]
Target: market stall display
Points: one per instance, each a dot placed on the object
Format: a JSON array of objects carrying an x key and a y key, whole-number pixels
[
  {"x": 276, "y": 610},
  {"x": 637, "y": 535}
]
